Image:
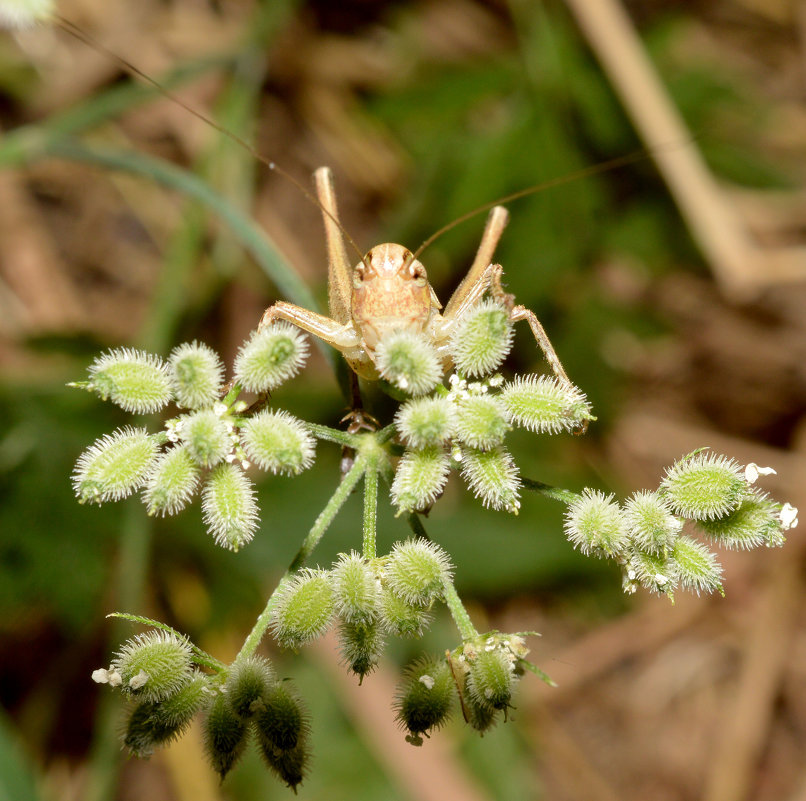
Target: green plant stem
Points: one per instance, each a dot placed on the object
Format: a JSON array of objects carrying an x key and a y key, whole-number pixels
[
  {"x": 326, "y": 517},
  {"x": 555, "y": 493},
  {"x": 333, "y": 435},
  {"x": 370, "y": 509},
  {"x": 458, "y": 612}
]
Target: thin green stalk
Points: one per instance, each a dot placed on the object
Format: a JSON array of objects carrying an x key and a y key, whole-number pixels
[
  {"x": 333, "y": 435},
  {"x": 555, "y": 493},
  {"x": 458, "y": 612},
  {"x": 326, "y": 517},
  {"x": 370, "y": 508}
]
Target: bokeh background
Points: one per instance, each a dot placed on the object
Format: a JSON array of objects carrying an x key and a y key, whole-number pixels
[{"x": 682, "y": 316}]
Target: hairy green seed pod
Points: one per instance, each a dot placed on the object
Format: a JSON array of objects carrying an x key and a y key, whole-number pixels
[
  {"x": 206, "y": 437},
  {"x": 270, "y": 357},
  {"x": 225, "y": 736},
  {"x": 151, "y": 725},
  {"x": 491, "y": 677},
  {"x": 493, "y": 477},
  {"x": 417, "y": 571},
  {"x": 655, "y": 571},
  {"x": 651, "y": 523},
  {"x": 480, "y": 716},
  {"x": 16, "y": 15},
  {"x": 114, "y": 466},
  {"x": 420, "y": 478},
  {"x": 278, "y": 442},
  {"x": 361, "y": 646},
  {"x": 426, "y": 422},
  {"x": 289, "y": 766},
  {"x": 481, "y": 339},
  {"x": 754, "y": 522},
  {"x": 154, "y": 665},
  {"x": 356, "y": 590},
  {"x": 594, "y": 523},
  {"x": 136, "y": 381},
  {"x": 172, "y": 481},
  {"x": 402, "y": 619},
  {"x": 304, "y": 608},
  {"x": 424, "y": 698},
  {"x": 229, "y": 507},
  {"x": 704, "y": 486},
  {"x": 282, "y": 723},
  {"x": 697, "y": 567},
  {"x": 408, "y": 361},
  {"x": 249, "y": 680},
  {"x": 196, "y": 375},
  {"x": 481, "y": 421},
  {"x": 545, "y": 405}
]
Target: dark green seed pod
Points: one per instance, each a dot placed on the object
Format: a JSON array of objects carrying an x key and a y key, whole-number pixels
[
  {"x": 289, "y": 766},
  {"x": 400, "y": 618},
  {"x": 225, "y": 736},
  {"x": 424, "y": 698},
  {"x": 247, "y": 683},
  {"x": 480, "y": 716},
  {"x": 151, "y": 725},
  {"x": 491, "y": 678},
  {"x": 361, "y": 646},
  {"x": 283, "y": 721}
]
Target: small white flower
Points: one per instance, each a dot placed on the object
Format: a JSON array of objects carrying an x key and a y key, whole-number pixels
[
  {"x": 115, "y": 679},
  {"x": 788, "y": 516},
  {"x": 220, "y": 408},
  {"x": 660, "y": 578},
  {"x": 753, "y": 471},
  {"x": 138, "y": 681},
  {"x": 100, "y": 676},
  {"x": 427, "y": 680}
]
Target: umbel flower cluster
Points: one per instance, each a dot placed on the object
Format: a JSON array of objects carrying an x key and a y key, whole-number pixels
[{"x": 211, "y": 443}]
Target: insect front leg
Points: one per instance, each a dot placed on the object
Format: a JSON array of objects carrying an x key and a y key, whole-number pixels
[{"x": 341, "y": 336}]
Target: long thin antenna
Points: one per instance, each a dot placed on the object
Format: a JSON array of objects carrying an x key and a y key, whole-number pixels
[
  {"x": 73, "y": 29},
  {"x": 594, "y": 169}
]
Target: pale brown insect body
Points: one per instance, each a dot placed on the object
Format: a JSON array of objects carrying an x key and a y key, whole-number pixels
[{"x": 388, "y": 290}]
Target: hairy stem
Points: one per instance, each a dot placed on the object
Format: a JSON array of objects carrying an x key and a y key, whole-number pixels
[
  {"x": 333, "y": 435},
  {"x": 555, "y": 493},
  {"x": 458, "y": 612},
  {"x": 326, "y": 517},
  {"x": 370, "y": 509}
]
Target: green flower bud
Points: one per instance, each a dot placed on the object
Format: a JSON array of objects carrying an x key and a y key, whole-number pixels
[
  {"x": 595, "y": 524},
  {"x": 282, "y": 723},
  {"x": 114, "y": 466},
  {"x": 697, "y": 567},
  {"x": 225, "y": 736},
  {"x": 196, "y": 375},
  {"x": 229, "y": 507},
  {"x": 133, "y": 379},
  {"x": 481, "y": 422},
  {"x": 491, "y": 677},
  {"x": 426, "y": 422},
  {"x": 492, "y": 476},
  {"x": 424, "y": 698},
  {"x": 16, "y": 15},
  {"x": 270, "y": 357},
  {"x": 172, "y": 481},
  {"x": 151, "y": 725},
  {"x": 543, "y": 404},
  {"x": 651, "y": 523},
  {"x": 417, "y": 571},
  {"x": 278, "y": 442},
  {"x": 655, "y": 571},
  {"x": 304, "y": 608},
  {"x": 481, "y": 338},
  {"x": 361, "y": 646},
  {"x": 154, "y": 665},
  {"x": 206, "y": 437},
  {"x": 408, "y": 361},
  {"x": 420, "y": 477},
  {"x": 247, "y": 683},
  {"x": 402, "y": 619},
  {"x": 289, "y": 766},
  {"x": 356, "y": 589},
  {"x": 704, "y": 486},
  {"x": 754, "y": 522}
]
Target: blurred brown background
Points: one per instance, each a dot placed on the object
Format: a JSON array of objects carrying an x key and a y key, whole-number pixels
[{"x": 674, "y": 288}]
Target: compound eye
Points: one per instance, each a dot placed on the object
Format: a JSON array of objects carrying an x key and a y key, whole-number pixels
[{"x": 417, "y": 272}]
